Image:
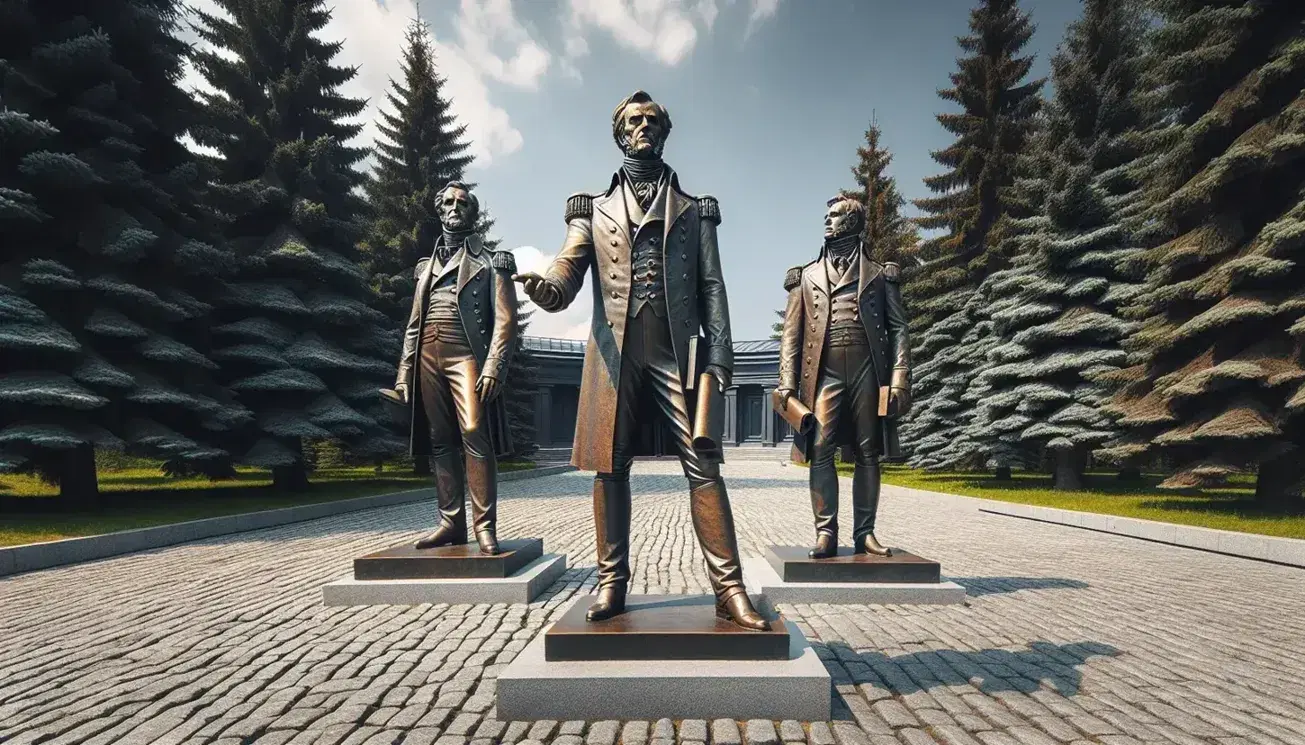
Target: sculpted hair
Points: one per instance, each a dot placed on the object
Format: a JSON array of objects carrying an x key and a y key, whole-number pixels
[
  {"x": 471, "y": 197},
  {"x": 639, "y": 97},
  {"x": 854, "y": 207}
]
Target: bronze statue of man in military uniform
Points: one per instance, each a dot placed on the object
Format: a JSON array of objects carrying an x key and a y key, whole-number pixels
[
  {"x": 845, "y": 335},
  {"x": 655, "y": 263},
  {"x": 460, "y": 333}
]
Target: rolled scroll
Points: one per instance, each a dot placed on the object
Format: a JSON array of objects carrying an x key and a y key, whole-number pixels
[
  {"x": 798, "y": 416},
  {"x": 709, "y": 417}
]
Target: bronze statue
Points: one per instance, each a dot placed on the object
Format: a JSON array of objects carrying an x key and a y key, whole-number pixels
[
  {"x": 652, "y": 251},
  {"x": 845, "y": 333},
  {"x": 462, "y": 328}
]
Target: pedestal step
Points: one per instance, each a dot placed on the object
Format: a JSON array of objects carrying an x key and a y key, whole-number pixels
[
  {"x": 661, "y": 627},
  {"x": 792, "y": 564},
  {"x": 762, "y": 578},
  {"x": 533, "y": 687},
  {"x": 448, "y": 562},
  {"x": 521, "y": 587}
]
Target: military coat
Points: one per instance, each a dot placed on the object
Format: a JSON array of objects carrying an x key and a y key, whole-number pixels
[
  {"x": 487, "y": 304},
  {"x": 598, "y": 243},
  {"x": 806, "y": 321}
]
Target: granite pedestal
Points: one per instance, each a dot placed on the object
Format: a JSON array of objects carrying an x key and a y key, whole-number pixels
[
  {"x": 788, "y": 575},
  {"x": 404, "y": 575},
  {"x": 699, "y": 684}
]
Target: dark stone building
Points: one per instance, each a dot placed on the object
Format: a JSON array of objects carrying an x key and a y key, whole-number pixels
[{"x": 749, "y": 419}]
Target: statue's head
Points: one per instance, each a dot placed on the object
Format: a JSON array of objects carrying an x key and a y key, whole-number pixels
[
  {"x": 457, "y": 207},
  {"x": 844, "y": 217},
  {"x": 640, "y": 126}
]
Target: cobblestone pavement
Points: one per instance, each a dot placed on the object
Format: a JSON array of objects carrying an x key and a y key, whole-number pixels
[{"x": 1068, "y": 636}]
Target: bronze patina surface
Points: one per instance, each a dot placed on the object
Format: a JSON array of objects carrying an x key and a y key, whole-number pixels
[
  {"x": 662, "y": 627},
  {"x": 458, "y": 561}
]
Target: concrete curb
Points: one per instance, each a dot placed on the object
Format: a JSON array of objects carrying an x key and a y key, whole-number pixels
[
  {"x": 32, "y": 556},
  {"x": 1289, "y": 551}
]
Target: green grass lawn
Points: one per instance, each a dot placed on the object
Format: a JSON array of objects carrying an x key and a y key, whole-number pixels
[
  {"x": 142, "y": 497},
  {"x": 1231, "y": 508}
]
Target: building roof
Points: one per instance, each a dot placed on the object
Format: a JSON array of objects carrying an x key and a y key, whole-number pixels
[{"x": 577, "y": 346}]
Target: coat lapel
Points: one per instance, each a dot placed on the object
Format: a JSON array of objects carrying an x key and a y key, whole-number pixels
[
  {"x": 612, "y": 206},
  {"x": 470, "y": 264},
  {"x": 819, "y": 277},
  {"x": 869, "y": 270}
]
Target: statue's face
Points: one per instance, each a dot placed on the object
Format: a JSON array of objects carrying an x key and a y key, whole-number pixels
[
  {"x": 644, "y": 129},
  {"x": 455, "y": 209},
  {"x": 841, "y": 220}
]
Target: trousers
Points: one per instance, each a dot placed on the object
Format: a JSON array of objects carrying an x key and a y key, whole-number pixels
[
  {"x": 462, "y": 455},
  {"x": 846, "y": 408},
  {"x": 649, "y": 371}
]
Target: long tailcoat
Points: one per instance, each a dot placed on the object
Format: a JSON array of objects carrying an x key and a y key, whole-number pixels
[
  {"x": 598, "y": 242},
  {"x": 487, "y": 304},
  {"x": 806, "y": 321}
]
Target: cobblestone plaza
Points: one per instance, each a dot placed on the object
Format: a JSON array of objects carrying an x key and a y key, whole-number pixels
[{"x": 1068, "y": 636}]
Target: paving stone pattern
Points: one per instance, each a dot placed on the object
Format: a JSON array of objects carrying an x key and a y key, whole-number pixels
[{"x": 1068, "y": 636}]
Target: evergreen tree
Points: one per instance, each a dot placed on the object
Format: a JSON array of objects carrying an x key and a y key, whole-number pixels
[
  {"x": 422, "y": 147},
  {"x": 1219, "y": 388},
  {"x": 1062, "y": 329},
  {"x": 974, "y": 196},
  {"x": 302, "y": 347},
  {"x": 111, "y": 261},
  {"x": 777, "y": 328},
  {"x": 887, "y": 232}
]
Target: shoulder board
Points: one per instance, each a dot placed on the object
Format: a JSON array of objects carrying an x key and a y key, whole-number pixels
[
  {"x": 793, "y": 277},
  {"x": 503, "y": 260},
  {"x": 892, "y": 271},
  {"x": 421, "y": 267},
  {"x": 579, "y": 205},
  {"x": 709, "y": 208}
]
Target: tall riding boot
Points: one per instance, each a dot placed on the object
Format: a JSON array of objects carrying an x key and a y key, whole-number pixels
[
  {"x": 865, "y": 505},
  {"x": 482, "y": 486},
  {"x": 823, "y": 481},
  {"x": 612, "y": 534},
  {"x": 450, "y": 493},
  {"x": 709, "y": 504}
]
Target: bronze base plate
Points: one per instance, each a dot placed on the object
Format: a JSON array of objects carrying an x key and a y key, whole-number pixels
[
  {"x": 661, "y": 627},
  {"x": 462, "y": 561},
  {"x": 792, "y": 564}
]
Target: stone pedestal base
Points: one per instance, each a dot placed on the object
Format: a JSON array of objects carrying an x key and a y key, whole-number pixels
[
  {"x": 532, "y": 687},
  {"x": 761, "y": 578},
  {"x": 522, "y": 587}
]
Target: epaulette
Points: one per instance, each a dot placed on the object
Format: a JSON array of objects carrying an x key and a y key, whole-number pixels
[
  {"x": 792, "y": 278},
  {"x": 503, "y": 260},
  {"x": 579, "y": 205},
  {"x": 709, "y": 209},
  {"x": 421, "y": 267},
  {"x": 892, "y": 271}
]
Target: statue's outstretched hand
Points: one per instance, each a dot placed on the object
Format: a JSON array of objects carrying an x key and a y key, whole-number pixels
[{"x": 537, "y": 289}]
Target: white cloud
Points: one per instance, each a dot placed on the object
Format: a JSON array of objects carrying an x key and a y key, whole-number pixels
[
  {"x": 572, "y": 323},
  {"x": 664, "y": 30},
  {"x": 762, "y": 10},
  {"x": 372, "y": 35}
]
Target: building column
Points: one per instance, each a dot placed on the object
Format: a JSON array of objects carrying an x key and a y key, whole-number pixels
[
  {"x": 768, "y": 438},
  {"x": 732, "y": 428},
  {"x": 544, "y": 416}
]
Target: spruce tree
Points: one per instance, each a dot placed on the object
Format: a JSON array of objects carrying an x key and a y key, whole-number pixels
[
  {"x": 112, "y": 250},
  {"x": 1219, "y": 387},
  {"x": 1061, "y": 328},
  {"x": 421, "y": 148},
  {"x": 302, "y": 346},
  {"x": 887, "y": 232},
  {"x": 974, "y": 195}
]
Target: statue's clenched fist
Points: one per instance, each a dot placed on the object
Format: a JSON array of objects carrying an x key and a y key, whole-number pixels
[{"x": 542, "y": 292}]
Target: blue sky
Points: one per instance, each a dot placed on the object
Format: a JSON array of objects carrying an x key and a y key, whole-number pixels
[{"x": 769, "y": 100}]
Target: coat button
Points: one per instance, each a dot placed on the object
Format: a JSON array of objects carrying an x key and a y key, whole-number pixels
[
  {"x": 610, "y": 324},
  {"x": 615, "y": 242},
  {"x": 475, "y": 293},
  {"x": 684, "y": 257},
  {"x": 683, "y": 238},
  {"x": 653, "y": 240},
  {"x": 614, "y": 294},
  {"x": 611, "y": 228},
  {"x": 686, "y": 322},
  {"x": 684, "y": 276},
  {"x": 616, "y": 259},
  {"x": 613, "y": 275}
]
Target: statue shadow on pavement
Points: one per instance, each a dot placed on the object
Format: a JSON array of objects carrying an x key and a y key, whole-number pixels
[{"x": 978, "y": 586}]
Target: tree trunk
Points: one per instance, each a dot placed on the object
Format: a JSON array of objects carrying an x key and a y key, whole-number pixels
[
  {"x": 1069, "y": 471},
  {"x": 1003, "y": 473},
  {"x": 1278, "y": 482},
  {"x": 421, "y": 465},
  {"x": 78, "y": 486},
  {"x": 290, "y": 478}
]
